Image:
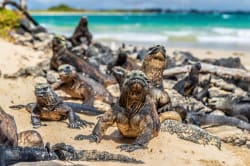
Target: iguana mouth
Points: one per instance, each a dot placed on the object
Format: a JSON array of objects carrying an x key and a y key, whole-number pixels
[
  {"x": 136, "y": 81},
  {"x": 137, "y": 77},
  {"x": 41, "y": 90},
  {"x": 157, "y": 49}
]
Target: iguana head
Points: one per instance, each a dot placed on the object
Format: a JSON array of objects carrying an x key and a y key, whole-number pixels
[
  {"x": 156, "y": 58},
  {"x": 195, "y": 68},
  {"x": 45, "y": 95},
  {"x": 220, "y": 102},
  {"x": 134, "y": 90},
  {"x": 41, "y": 89},
  {"x": 153, "y": 65},
  {"x": 58, "y": 42},
  {"x": 66, "y": 72}
]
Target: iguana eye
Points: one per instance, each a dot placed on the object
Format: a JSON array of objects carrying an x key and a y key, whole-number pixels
[
  {"x": 60, "y": 70},
  {"x": 68, "y": 67}
]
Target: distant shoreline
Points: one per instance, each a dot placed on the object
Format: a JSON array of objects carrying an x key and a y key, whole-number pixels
[
  {"x": 47, "y": 12},
  {"x": 77, "y": 13},
  {"x": 135, "y": 12}
]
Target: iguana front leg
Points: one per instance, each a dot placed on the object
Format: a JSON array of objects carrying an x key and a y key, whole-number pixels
[
  {"x": 57, "y": 85},
  {"x": 74, "y": 120},
  {"x": 35, "y": 117},
  {"x": 102, "y": 125},
  {"x": 161, "y": 99}
]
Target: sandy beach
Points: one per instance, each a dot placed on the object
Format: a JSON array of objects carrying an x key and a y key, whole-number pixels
[{"x": 164, "y": 150}]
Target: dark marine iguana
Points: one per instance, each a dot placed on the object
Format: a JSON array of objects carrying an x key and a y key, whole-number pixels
[
  {"x": 238, "y": 107},
  {"x": 124, "y": 61},
  {"x": 135, "y": 114},
  {"x": 61, "y": 55},
  {"x": 81, "y": 33},
  {"x": 199, "y": 118},
  {"x": 50, "y": 107},
  {"x": 78, "y": 86},
  {"x": 60, "y": 151},
  {"x": 188, "y": 85}
]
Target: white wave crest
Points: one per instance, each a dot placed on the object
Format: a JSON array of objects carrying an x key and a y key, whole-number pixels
[{"x": 134, "y": 37}]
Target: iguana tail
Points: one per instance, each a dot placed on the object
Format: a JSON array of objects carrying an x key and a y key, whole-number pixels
[
  {"x": 12, "y": 155},
  {"x": 28, "y": 107},
  {"x": 94, "y": 155},
  {"x": 68, "y": 153},
  {"x": 224, "y": 120},
  {"x": 84, "y": 109}
]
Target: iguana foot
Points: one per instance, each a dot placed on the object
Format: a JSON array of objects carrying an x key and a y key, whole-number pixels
[
  {"x": 91, "y": 138},
  {"x": 74, "y": 125},
  {"x": 130, "y": 147},
  {"x": 85, "y": 123},
  {"x": 64, "y": 152},
  {"x": 80, "y": 123},
  {"x": 63, "y": 146}
]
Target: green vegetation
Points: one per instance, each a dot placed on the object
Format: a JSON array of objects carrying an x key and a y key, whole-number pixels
[
  {"x": 9, "y": 20},
  {"x": 63, "y": 8}
]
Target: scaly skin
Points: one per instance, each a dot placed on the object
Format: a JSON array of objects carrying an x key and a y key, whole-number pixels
[
  {"x": 50, "y": 107},
  {"x": 153, "y": 66},
  {"x": 77, "y": 87},
  {"x": 8, "y": 130},
  {"x": 198, "y": 135},
  {"x": 135, "y": 114},
  {"x": 61, "y": 55},
  {"x": 190, "y": 133}
]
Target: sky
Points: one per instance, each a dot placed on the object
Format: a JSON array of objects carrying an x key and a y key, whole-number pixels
[{"x": 142, "y": 4}]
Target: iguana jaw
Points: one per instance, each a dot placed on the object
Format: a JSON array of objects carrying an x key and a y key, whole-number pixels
[{"x": 66, "y": 72}]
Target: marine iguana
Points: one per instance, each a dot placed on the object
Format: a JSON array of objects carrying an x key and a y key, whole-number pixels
[
  {"x": 60, "y": 151},
  {"x": 153, "y": 66},
  {"x": 237, "y": 107},
  {"x": 188, "y": 85},
  {"x": 61, "y": 55},
  {"x": 199, "y": 118},
  {"x": 77, "y": 86},
  {"x": 135, "y": 114},
  {"x": 50, "y": 107},
  {"x": 81, "y": 33},
  {"x": 124, "y": 61}
]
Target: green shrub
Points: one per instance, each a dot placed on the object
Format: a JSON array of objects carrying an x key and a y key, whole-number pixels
[
  {"x": 9, "y": 20},
  {"x": 62, "y": 8}
]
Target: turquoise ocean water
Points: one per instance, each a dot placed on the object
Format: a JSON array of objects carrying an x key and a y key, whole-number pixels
[{"x": 230, "y": 31}]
